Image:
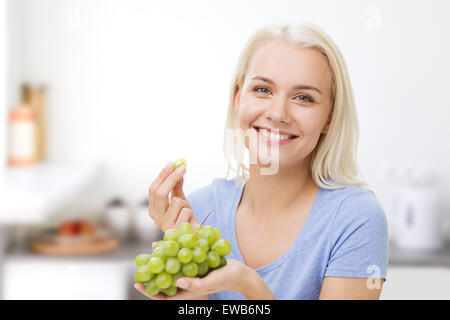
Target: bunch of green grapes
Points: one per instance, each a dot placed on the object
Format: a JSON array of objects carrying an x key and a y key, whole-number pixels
[{"x": 182, "y": 253}]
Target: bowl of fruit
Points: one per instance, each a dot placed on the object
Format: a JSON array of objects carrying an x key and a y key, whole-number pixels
[{"x": 74, "y": 236}]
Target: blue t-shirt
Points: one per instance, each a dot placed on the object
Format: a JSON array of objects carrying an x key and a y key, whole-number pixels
[{"x": 345, "y": 235}]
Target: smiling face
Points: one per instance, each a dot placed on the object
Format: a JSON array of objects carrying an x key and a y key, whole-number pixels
[{"x": 286, "y": 87}]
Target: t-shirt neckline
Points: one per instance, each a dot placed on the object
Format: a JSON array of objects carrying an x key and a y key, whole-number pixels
[{"x": 285, "y": 256}]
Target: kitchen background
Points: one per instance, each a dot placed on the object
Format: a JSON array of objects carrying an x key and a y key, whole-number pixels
[{"x": 119, "y": 88}]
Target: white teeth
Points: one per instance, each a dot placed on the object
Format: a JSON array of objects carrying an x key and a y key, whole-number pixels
[{"x": 273, "y": 136}]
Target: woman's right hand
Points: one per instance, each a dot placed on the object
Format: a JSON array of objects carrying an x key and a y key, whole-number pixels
[{"x": 171, "y": 214}]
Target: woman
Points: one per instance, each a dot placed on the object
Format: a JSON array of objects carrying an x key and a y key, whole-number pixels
[{"x": 300, "y": 219}]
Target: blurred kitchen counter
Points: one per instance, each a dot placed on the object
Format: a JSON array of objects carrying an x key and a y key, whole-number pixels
[
  {"x": 125, "y": 252},
  {"x": 417, "y": 274},
  {"x": 98, "y": 276},
  {"x": 426, "y": 258}
]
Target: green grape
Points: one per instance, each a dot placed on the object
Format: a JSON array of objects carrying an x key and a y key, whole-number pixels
[
  {"x": 198, "y": 255},
  {"x": 170, "y": 248},
  {"x": 184, "y": 255},
  {"x": 223, "y": 262},
  {"x": 203, "y": 268},
  {"x": 159, "y": 252},
  {"x": 213, "y": 259},
  {"x": 222, "y": 247},
  {"x": 179, "y": 163},
  {"x": 164, "y": 280},
  {"x": 170, "y": 291},
  {"x": 171, "y": 234},
  {"x": 151, "y": 288},
  {"x": 190, "y": 269},
  {"x": 187, "y": 240},
  {"x": 203, "y": 243},
  {"x": 185, "y": 228},
  {"x": 158, "y": 243},
  {"x": 156, "y": 264},
  {"x": 143, "y": 274},
  {"x": 210, "y": 235},
  {"x": 172, "y": 265},
  {"x": 137, "y": 277},
  {"x": 201, "y": 231},
  {"x": 217, "y": 233},
  {"x": 142, "y": 259},
  {"x": 176, "y": 277}
]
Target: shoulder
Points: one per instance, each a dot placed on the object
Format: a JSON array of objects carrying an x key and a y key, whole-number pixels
[
  {"x": 359, "y": 235},
  {"x": 356, "y": 207}
]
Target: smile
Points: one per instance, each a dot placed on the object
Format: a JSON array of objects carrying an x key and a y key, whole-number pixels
[{"x": 274, "y": 138}]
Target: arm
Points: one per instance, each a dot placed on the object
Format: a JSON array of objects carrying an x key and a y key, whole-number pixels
[{"x": 340, "y": 288}]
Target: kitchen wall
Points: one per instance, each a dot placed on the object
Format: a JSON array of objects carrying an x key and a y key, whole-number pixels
[
  {"x": 3, "y": 76},
  {"x": 134, "y": 84}
]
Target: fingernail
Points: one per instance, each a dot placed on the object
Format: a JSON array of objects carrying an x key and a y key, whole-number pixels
[
  {"x": 169, "y": 167},
  {"x": 183, "y": 284},
  {"x": 181, "y": 169}
]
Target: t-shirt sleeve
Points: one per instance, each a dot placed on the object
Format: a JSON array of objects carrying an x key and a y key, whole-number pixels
[{"x": 359, "y": 239}]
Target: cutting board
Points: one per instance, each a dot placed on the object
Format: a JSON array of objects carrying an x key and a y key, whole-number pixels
[{"x": 52, "y": 243}]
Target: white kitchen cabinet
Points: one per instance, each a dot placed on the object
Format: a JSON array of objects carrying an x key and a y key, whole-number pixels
[
  {"x": 107, "y": 276},
  {"x": 418, "y": 282}
]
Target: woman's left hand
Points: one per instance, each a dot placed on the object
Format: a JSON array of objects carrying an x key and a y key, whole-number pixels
[{"x": 229, "y": 277}]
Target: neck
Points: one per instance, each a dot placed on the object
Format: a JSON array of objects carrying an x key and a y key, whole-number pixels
[{"x": 266, "y": 194}]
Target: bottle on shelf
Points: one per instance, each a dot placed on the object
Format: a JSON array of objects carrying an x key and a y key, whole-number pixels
[
  {"x": 34, "y": 98},
  {"x": 21, "y": 134}
]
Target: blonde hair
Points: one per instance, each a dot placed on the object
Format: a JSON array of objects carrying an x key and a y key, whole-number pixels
[{"x": 334, "y": 159}]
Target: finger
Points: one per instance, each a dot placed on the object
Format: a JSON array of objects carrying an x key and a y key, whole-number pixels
[
  {"x": 184, "y": 216},
  {"x": 198, "y": 286},
  {"x": 193, "y": 221},
  {"x": 153, "y": 245},
  {"x": 178, "y": 190},
  {"x": 166, "y": 171},
  {"x": 175, "y": 207},
  {"x": 162, "y": 194}
]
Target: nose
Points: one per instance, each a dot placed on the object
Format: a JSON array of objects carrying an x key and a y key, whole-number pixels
[{"x": 278, "y": 111}]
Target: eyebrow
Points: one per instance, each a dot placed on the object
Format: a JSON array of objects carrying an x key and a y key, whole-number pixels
[{"x": 300, "y": 86}]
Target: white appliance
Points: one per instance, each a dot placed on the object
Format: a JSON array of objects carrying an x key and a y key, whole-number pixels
[
  {"x": 418, "y": 222},
  {"x": 146, "y": 229}
]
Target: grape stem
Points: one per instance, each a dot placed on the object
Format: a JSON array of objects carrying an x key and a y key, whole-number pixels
[{"x": 204, "y": 220}]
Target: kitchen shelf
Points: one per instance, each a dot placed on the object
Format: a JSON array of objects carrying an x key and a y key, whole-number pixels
[{"x": 29, "y": 195}]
